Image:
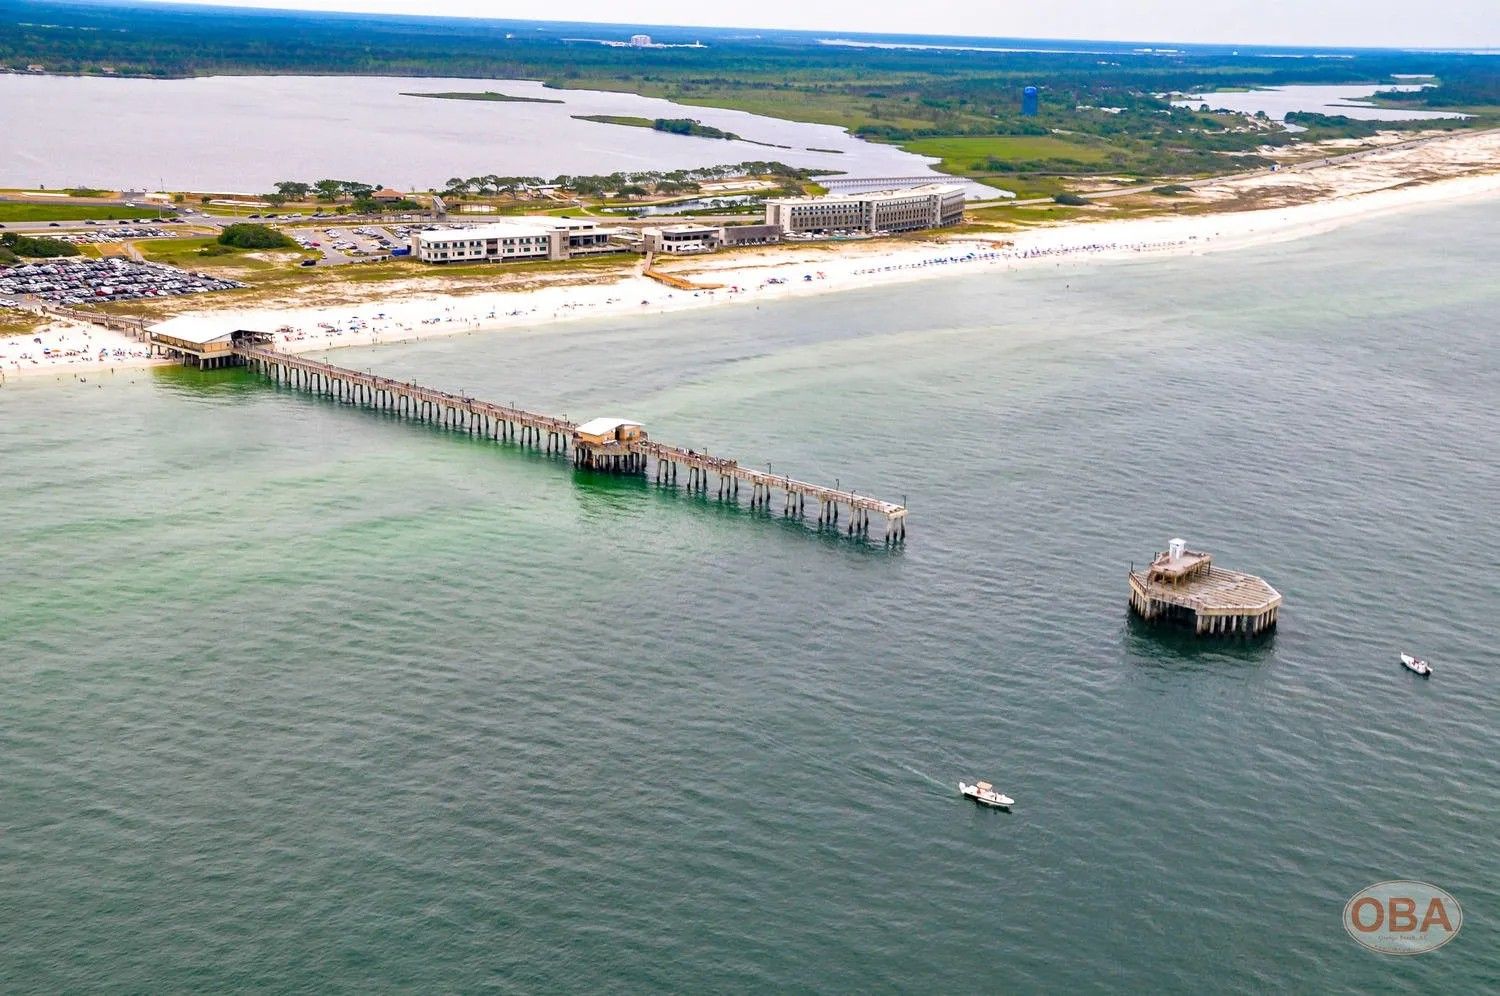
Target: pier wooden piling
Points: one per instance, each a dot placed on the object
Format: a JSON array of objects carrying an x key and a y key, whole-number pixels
[
  {"x": 611, "y": 445},
  {"x": 1182, "y": 587}
]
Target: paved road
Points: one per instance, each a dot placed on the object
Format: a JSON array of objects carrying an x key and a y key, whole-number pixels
[{"x": 79, "y": 226}]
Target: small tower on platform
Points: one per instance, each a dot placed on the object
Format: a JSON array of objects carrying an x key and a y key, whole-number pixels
[{"x": 1182, "y": 587}]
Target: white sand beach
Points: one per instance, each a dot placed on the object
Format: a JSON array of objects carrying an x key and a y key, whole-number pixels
[
  {"x": 66, "y": 350},
  {"x": 1379, "y": 183}
]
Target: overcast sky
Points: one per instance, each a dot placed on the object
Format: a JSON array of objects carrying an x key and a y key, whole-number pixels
[{"x": 1394, "y": 23}]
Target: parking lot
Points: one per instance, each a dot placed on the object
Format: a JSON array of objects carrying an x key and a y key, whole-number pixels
[
  {"x": 348, "y": 244},
  {"x": 105, "y": 235},
  {"x": 95, "y": 280}
]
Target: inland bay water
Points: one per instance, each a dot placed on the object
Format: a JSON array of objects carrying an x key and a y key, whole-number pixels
[
  {"x": 299, "y": 698},
  {"x": 244, "y": 133}
]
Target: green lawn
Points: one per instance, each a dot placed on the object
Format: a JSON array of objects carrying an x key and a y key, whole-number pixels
[
  {"x": 31, "y": 211},
  {"x": 184, "y": 253},
  {"x": 965, "y": 155},
  {"x": 241, "y": 211},
  {"x": 1026, "y": 187}
]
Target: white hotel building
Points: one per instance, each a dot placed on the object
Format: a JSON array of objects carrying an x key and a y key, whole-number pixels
[
  {"x": 521, "y": 239},
  {"x": 932, "y": 206}
]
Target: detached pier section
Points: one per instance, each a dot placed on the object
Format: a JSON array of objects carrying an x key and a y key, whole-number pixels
[
  {"x": 1182, "y": 587},
  {"x": 614, "y": 445}
]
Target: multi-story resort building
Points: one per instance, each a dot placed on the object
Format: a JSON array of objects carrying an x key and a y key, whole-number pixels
[
  {"x": 932, "y": 206},
  {"x": 530, "y": 238},
  {"x": 521, "y": 239}
]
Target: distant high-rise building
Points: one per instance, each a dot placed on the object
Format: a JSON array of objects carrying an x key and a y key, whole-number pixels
[
  {"x": 640, "y": 41},
  {"x": 1029, "y": 102}
]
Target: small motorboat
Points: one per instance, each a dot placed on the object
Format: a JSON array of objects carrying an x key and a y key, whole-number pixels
[
  {"x": 984, "y": 793},
  {"x": 1416, "y": 665}
]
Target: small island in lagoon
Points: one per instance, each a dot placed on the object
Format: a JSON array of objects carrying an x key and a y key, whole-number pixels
[{"x": 490, "y": 95}]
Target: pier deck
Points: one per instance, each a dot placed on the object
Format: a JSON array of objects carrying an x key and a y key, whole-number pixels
[
  {"x": 637, "y": 456},
  {"x": 1182, "y": 586}
]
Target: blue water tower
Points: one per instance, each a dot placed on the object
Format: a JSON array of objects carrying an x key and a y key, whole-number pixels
[{"x": 1029, "y": 102}]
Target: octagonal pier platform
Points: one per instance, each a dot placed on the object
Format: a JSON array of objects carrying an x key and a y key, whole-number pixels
[{"x": 1182, "y": 587}]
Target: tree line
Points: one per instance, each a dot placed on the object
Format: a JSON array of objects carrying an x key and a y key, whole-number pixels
[
  {"x": 624, "y": 181},
  {"x": 14, "y": 245}
]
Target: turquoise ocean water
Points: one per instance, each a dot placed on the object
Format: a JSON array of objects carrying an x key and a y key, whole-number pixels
[{"x": 300, "y": 698}]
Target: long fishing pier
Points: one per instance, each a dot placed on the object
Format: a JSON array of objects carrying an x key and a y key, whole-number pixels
[{"x": 607, "y": 444}]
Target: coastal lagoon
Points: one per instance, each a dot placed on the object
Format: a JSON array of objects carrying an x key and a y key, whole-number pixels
[
  {"x": 1279, "y": 101},
  {"x": 299, "y": 697},
  {"x": 244, "y": 133}
]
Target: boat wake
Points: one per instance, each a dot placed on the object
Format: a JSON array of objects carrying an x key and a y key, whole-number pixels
[{"x": 922, "y": 774}]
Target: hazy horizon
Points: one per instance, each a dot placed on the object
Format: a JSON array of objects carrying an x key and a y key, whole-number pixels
[{"x": 1463, "y": 25}]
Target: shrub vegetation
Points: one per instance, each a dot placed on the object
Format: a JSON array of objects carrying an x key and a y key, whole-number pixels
[
  {"x": 247, "y": 235},
  {"x": 37, "y": 247}
]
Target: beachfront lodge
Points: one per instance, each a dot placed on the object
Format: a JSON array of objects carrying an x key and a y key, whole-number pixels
[
  {"x": 610, "y": 444},
  {"x": 202, "y": 341},
  {"x": 935, "y": 205},
  {"x": 682, "y": 240},
  {"x": 521, "y": 239},
  {"x": 687, "y": 239}
]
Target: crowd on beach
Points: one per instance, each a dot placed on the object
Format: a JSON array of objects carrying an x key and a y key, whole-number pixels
[
  {"x": 1032, "y": 252},
  {"x": 69, "y": 348}
]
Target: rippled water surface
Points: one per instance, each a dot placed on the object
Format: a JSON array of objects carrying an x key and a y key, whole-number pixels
[{"x": 302, "y": 698}]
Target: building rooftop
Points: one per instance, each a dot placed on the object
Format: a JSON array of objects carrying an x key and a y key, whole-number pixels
[
  {"x": 494, "y": 230},
  {"x": 1179, "y": 562},
  {"x": 199, "y": 329},
  {"x": 685, "y": 227},
  {"x": 922, "y": 191},
  {"x": 513, "y": 228},
  {"x": 574, "y": 223},
  {"x": 604, "y": 426}
]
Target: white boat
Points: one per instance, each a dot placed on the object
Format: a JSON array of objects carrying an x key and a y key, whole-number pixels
[
  {"x": 984, "y": 793},
  {"x": 1417, "y": 665}
]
